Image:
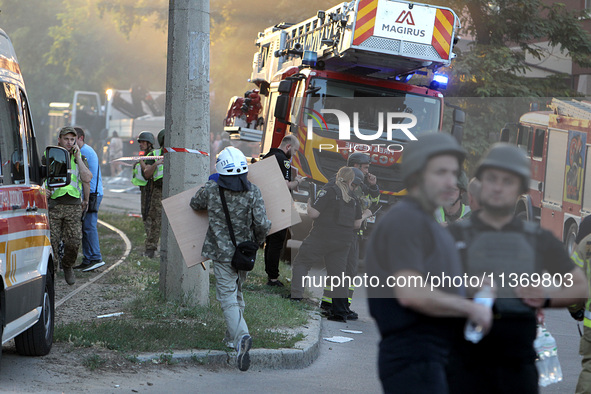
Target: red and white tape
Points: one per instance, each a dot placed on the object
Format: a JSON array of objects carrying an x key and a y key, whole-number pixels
[
  {"x": 164, "y": 150},
  {"x": 184, "y": 150}
]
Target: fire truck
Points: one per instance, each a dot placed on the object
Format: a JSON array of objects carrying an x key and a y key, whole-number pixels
[
  {"x": 556, "y": 143},
  {"x": 339, "y": 81}
]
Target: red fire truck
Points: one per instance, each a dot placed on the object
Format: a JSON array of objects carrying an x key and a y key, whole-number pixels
[
  {"x": 352, "y": 62},
  {"x": 556, "y": 142}
]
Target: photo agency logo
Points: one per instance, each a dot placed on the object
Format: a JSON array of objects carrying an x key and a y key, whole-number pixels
[{"x": 393, "y": 121}]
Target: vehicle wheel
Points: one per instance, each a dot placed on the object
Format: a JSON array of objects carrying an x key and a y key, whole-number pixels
[
  {"x": 37, "y": 340},
  {"x": 571, "y": 236}
]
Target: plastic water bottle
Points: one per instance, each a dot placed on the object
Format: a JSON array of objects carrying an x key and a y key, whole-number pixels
[
  {"x": 473, "y": 332},
  {"x": 547, "y": 362}
]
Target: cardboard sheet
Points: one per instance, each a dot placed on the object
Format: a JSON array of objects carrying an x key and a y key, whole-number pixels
[{"x": 189, "y": 227}]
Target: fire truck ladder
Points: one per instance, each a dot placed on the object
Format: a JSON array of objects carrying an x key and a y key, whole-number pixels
[{"x": 572, "y": 108}]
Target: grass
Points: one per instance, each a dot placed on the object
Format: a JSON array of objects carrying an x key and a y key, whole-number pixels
[{"x": 152, "y": 324}]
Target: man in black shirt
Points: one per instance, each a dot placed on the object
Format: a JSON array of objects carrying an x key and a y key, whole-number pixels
[
  {"x": 496, "y": 244},
  {"x": 415, "y": 321},
  {"x": 274, "y": 242}
]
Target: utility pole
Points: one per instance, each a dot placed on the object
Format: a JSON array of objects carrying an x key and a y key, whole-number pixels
[{"x": 187, "y": 126}]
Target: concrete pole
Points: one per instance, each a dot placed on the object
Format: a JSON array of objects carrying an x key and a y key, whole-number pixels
[{"x": 187, "y": 126}]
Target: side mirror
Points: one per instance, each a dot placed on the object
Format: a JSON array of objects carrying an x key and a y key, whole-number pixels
[
  {"x": 457, "y": 131},
  {"x": 459, "y": 116},
  {"x": 57, "y": 163},
  {"x": 505, "y": 134},
  {"x": 281, "y": 107},
  {"x": 285, "y": 86}
]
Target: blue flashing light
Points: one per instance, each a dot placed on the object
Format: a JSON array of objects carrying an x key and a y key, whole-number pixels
[
  {"x": 310, "y": 58},
  {"x": 404, "y": 78},
  {"x": 441, "y": 80}
]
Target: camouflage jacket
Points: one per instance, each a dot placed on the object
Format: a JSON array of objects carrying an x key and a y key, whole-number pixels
[{"x": 247, "y": 214}]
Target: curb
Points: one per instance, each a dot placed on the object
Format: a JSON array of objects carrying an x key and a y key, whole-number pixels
[{"x": 304, "y": 353}]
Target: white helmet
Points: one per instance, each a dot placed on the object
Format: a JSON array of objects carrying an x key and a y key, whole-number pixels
[{"x": 231, "y": 161}]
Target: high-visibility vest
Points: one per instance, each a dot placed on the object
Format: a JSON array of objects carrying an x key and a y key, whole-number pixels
[
  {"x": 159, "y": 173},
  {"x": 138, "y": 178},
  {"x": 74, "y": 189},
  {"x": 440, "y": 213}
]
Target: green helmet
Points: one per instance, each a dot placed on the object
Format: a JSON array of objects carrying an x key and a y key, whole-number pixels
[
  {"x": 417, "y": 153},
  {"x": 506, "y": 157},
  {"x": 161, "y": 138},
  {"x": 146, "y": 136},
  {"x": 358, "y": 158}
]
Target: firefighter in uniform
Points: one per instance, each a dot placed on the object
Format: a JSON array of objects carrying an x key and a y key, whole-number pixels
[
  {"x": 582, "y": 310},
  {"x": 457, "y": 210},
  {"x": 274, "y": 242},
  {"x": 494, "y": 241},
  {"x": 66, "y": 207},
  {"x": 153, "y": 171},
  {"x": 415, "y": 322},
  {"x": 247, "y": 213},
  {"x": 336, "y": 214}
]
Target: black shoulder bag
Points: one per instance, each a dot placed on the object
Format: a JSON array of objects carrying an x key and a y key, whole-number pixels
[
  {"x": 246, "y": 252},
  {"x": 92, "y": 197}
]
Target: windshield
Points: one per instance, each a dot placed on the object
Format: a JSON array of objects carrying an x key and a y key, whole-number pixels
[{"x": 369, "y": 107}]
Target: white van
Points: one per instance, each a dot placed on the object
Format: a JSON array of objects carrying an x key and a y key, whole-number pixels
[{"x": 26, "y": 257}]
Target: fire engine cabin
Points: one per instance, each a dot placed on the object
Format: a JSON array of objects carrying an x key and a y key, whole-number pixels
[
  {"x": 362, "y": 50},
  {"x": 557, "y": 143}
]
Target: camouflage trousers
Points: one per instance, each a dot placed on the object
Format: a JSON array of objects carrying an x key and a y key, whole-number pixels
[
  {"x": 65, "y": 225},
  {"x": 152, "y": 215}
]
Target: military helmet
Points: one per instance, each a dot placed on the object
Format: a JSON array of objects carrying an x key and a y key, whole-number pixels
[
  {"x": 358, "y": 158},
  {"x": 506, "y": 157},
  {"x": 231, "y": 161},
  {"x": 161, "y": 138},
  {"x": 359, "y": 176},
  {"x": 417, "y": 153},
  {"x": 146, "y": 136}
]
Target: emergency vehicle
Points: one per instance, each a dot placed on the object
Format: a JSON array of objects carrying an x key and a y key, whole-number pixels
[
  {"x": 557, "y": 142},
  {"x": 26, "y": 257},
  {"x": 128, "y": 112},
  {"x": 358, "y": 58}
]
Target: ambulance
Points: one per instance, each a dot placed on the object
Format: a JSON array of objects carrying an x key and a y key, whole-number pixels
[{"x": 26, "y": 257}]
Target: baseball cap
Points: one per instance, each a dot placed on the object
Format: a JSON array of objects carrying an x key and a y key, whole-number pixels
[{"x": 68, "y": 130}]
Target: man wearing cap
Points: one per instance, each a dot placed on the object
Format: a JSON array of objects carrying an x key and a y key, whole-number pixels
[
  {"x": 495, "y": 242},
  {"x": 66, "y": 206},
  {"x": 416, "y": 323},
  {"x": 274, "y": 242}
]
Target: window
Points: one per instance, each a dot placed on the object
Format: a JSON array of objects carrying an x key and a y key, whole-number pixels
[
  {"x": 32, "y": 154},
  {"x": 540, "y": 138},
  {"x": 11, "y": 145}
]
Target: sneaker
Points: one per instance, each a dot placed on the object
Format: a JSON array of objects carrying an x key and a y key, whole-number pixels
[
  {"x": 243, "y": 358},
  {"x": 275, "y": 283},
  {"x": 69, "y": 275},
  {"x": 83, "y": 265},
  {"x": 94, "y": 266}
]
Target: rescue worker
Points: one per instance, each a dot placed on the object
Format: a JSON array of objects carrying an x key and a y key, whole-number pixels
[
  {"x": 146, "y": 142},
  {"x": 67, "y": 206},
  {"x": 456, "y": 210},
  {"x": 582, "y": 310},
  {"x": 495, "y": 242},
  {"x": 336, "y": 214},
  {"x": 274, "y": 242},
  {"x": 415, "y": 321},
  {"x": 153, "y": 172},
  {"x": 249, "y": 220},
  {"x": 353, "y": 255},
  {"x": 368, "y": 195}
]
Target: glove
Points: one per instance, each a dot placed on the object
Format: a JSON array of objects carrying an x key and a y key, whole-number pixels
[{"x": 578, "y": 315}]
